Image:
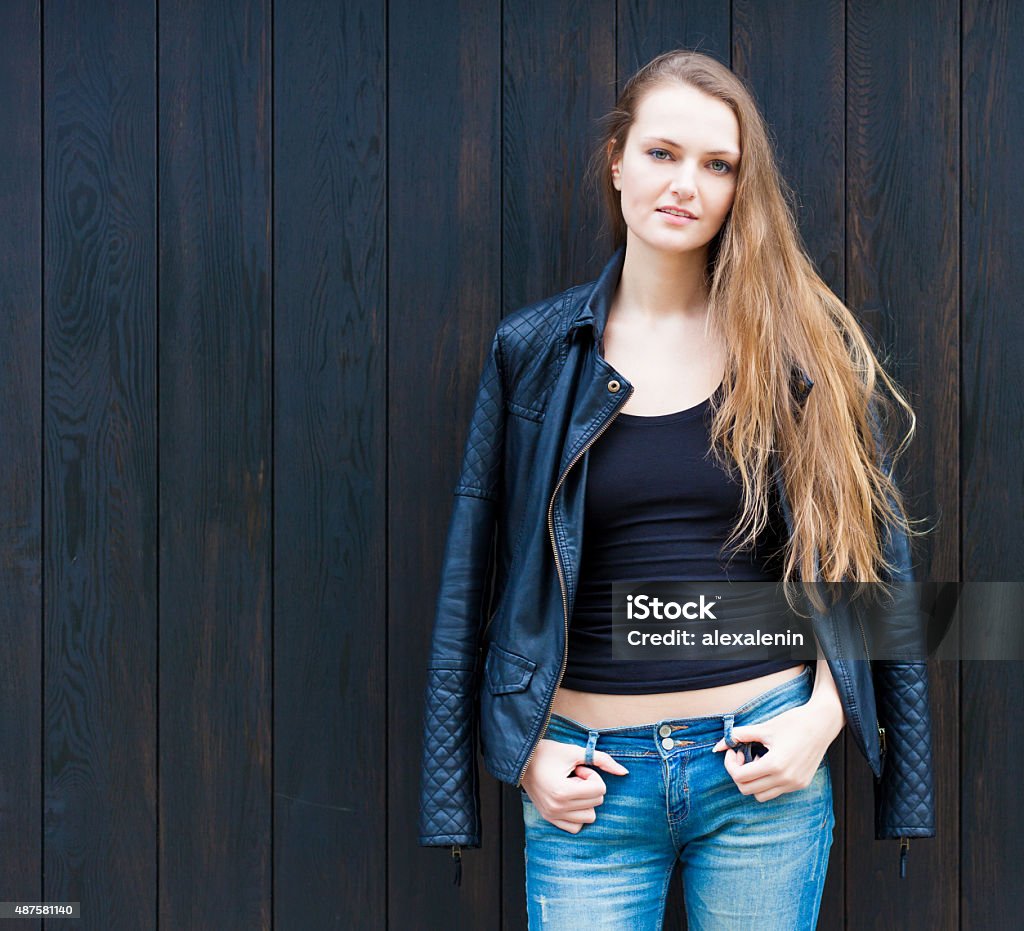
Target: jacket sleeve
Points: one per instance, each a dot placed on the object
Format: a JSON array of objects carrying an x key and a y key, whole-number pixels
[
  {"x": 449, "y": 792},
  {"x": 904, "y": 799}
]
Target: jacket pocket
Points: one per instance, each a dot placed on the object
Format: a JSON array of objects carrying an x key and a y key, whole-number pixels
[{"x": 507, "y": 672}]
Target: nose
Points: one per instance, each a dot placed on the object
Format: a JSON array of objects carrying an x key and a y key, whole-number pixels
[{"x": 684, "y": 184}]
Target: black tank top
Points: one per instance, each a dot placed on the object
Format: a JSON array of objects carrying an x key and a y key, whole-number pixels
[{"x": 658, "y": 507}]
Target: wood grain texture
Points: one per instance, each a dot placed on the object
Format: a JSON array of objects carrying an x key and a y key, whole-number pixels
[
  {"x": 902, "y": 274},
  {"x": 100, "y": 467},
  {"x": 991, "y": 805},
  {"x": 558, "y": 79},
  {"x": 216, "y": 469},
  {"x": 331, "y": 747},
  {"x": 21, "y": 487},
  {"x": 444, "y": 209}
]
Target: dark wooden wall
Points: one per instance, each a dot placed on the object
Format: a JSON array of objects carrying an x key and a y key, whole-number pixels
[{"x": 253, "y": 255}]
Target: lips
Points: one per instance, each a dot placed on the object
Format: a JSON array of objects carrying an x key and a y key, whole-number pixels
[{"x": 677, "y": 212}]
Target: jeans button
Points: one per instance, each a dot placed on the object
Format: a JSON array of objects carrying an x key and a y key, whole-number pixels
[
  {"x": 665, "y": 730},
  {"x": 668, "y": 743}
]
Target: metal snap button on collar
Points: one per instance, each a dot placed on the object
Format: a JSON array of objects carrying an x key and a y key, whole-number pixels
[{"x": 614, "y": 385}]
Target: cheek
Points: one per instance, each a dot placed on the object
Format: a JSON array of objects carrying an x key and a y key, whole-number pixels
[
  {"x": 717, "y": 210},
  {"x": 724, "y": 200},
  {"x": 643, "y": 196},
  {"x": 632, "y": 203}
]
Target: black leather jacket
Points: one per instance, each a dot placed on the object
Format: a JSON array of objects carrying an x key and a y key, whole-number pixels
[{"x": 510, "y": 573}]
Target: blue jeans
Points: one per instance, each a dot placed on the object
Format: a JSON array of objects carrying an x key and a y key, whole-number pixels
[{"x": 745, "y": 863}]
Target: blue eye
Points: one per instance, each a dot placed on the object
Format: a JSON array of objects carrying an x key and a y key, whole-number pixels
[{"x": 726, "y": 169}]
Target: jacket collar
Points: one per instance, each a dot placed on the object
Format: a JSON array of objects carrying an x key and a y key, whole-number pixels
[{"x": 594, "y": 312}]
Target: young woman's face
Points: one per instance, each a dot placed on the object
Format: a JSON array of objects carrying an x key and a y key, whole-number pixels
[{"x": 682, "y": 152}]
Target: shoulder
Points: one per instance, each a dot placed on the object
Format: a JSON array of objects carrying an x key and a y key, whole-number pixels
[
  {"x": 535, "y": 330},
  {"x": 537, "y": 325},
  {"x": 532, "y": 345}
]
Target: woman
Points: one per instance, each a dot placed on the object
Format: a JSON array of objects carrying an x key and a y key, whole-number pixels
[{"x": 658, "y": 424}]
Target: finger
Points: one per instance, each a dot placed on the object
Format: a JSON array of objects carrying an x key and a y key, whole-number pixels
[
  {"x": 566, "y": 825},
  {"x": 591, "y": 777},
  {"x": 733, "y": 761},
  {"x": 586, "y": 787},
  {"x": 737, "y": 767},
  {"x": 608, "y": 763},
  {"x": 577, "y": 818},
  {"x": 757, "y": 768},
  {"x": 748, "y": 732},
  {"x": 579, "y": 801},
  {"x": 767, "y": 791},
  {"x": 579, "y": 815}
]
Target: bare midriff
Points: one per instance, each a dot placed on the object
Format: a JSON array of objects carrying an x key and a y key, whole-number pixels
[{"x": 598, "y": 709}]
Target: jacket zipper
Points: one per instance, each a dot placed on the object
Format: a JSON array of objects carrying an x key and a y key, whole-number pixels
[
  {"x": 881, "y": 730},
  {"x": 561, "y": 580},
  {"x": 904, "y": 841}
]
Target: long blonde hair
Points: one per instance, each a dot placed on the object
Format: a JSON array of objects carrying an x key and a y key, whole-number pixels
[{"x": 774, "y": 311}]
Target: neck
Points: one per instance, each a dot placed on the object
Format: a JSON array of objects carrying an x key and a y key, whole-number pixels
[{"x": 657, "y": 285}]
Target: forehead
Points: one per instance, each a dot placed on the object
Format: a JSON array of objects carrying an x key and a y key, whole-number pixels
[{"x": 688, "y": 116}]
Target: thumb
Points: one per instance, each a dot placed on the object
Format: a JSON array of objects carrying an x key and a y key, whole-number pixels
[
  {"x": 744, "y": 734},
  {"x": 603, "y": 761}
]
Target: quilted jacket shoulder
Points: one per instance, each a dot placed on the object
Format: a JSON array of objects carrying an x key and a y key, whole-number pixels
[{"x": 533, "y": 350}]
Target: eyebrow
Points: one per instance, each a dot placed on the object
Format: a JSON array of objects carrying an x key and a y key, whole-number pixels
[{"x": 676, "y": 145}]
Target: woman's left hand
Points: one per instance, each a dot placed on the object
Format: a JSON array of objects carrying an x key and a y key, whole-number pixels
[{"x": 796, "y": 740}]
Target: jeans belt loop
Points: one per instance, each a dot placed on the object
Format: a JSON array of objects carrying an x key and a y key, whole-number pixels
[{"x": 730, "y": 741}]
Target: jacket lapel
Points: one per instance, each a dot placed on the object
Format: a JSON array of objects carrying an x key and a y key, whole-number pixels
[{"x": 593, "y": 311}]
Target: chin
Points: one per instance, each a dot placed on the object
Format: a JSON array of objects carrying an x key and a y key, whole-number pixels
[{"x": 671, "y": 245}]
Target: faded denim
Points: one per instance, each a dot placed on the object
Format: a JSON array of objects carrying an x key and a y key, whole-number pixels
[{"x": 745, "y": 863}]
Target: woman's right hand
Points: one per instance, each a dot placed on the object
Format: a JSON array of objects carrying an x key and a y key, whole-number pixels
[{"x": 562, "y": 788}]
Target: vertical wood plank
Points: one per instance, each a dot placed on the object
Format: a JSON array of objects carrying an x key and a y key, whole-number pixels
[
  {"x": 21, "y": 426},
  {"x": 992, "y": 812},
  {"x": 99, "y": 456},
  {"x": 444, "y": 246},
  {"x": 647, "y": 28},
  {"x": 903, "y": 279},
  {"x": 331, "y": 747},
  {"x": 215, "y": 465},
  {"x": 559, "y": 67},
  {"x": 791, "y": 54}
]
